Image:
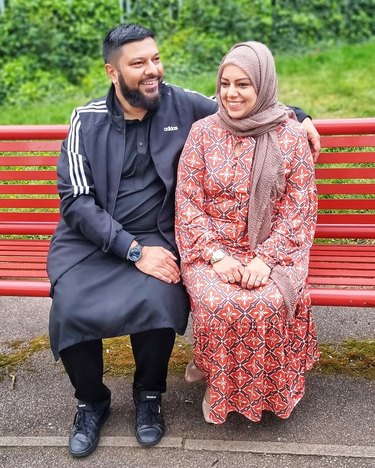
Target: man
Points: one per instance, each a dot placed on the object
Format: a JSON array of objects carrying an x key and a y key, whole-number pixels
[{"x": 113, "y": 261}]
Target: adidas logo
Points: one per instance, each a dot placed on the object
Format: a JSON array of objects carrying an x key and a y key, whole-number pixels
[
  {"x": 170, "y": 129},
  {"x": 151, "y": 397}
]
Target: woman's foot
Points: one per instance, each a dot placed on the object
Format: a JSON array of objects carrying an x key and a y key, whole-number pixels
[
  {"x": 193, "y": 374},
  {"x": 206, "y": 406}
]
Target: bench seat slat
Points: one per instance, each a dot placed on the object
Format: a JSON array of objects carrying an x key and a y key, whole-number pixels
[
  {"x": 24, "y": 244},
  {"x": 346, "y": 281},
  {"x": 351, "y": 266},
  {"x": 35, "y": 273},
  {"x": 17, "y": 252},
  {"x": 31, "y": 263},
  {"x": 25, "y": 288},
  {"x": 342, "y": 297},
  {"x": 17, "y": 260},
  {"x": 338, "y": 273}
]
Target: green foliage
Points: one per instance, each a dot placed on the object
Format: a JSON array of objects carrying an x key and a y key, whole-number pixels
[
  {"x": 301, "y": 25},
  {"x": 48, "y": 45},
  {"x": 204, "y": 31},
  {"x": 42, "y": 41},
  {"x": 189, "y": 52},
  {"x": 327, "y": 84}
]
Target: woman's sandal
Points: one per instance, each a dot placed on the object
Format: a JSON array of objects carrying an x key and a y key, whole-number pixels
[
  {"x": 193, "y": 374},
  {"x": 206, "y": 407}
]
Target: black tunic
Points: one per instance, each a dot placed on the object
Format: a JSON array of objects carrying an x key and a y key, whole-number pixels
[{"x": 134, "y": 302}]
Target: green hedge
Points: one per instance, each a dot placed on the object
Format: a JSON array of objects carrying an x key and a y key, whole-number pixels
[{"x": 49, "y": 45}]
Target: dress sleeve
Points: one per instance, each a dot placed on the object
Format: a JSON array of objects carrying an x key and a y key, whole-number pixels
[
  {"x": 195, "y": 236},
  {"x": 294, "y": 221},
  {"x": 78, "y": 202}
]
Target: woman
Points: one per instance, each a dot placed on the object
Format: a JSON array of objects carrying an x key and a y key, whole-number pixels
[{"x": 246, "y": 212}]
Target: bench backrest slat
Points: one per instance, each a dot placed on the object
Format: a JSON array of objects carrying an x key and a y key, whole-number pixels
[
  {"x": 28, "y": 161},
  {"x": 337, "y": 218},
  {"x": 350, "y": 141},
  {"x": 29, "y": 189},
  {"x": 29, "y": 203},
  {"x": 345, "y": 178},
  {"x": 34, "y": 217},
  {"x": 345, "y": 173},
  {"x": 30, "y": 146},
  {"x": 354, "y": 157},
  {"x": 350, "y": 189},
  {"x": 347, "y": 204},
  {"x": 29, "y": 175}
]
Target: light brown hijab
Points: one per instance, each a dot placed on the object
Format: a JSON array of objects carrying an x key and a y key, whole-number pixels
[{"x": 268, "y": 171}]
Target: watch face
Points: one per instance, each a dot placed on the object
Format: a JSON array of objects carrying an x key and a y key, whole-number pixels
[
  {"x": 135, "y": 253},
  {"x": 217, "y": 256}
]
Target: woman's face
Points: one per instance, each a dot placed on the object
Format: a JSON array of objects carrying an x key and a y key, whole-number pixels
[{"x": 237, "y": 93}]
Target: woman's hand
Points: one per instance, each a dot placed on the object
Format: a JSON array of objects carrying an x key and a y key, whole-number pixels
[
  {"x": 229, "y": 269},
  {"x": 255, "y": 274}
]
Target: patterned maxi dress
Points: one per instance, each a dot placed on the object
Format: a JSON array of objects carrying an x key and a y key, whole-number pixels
[{"x": 254, "y": 357}]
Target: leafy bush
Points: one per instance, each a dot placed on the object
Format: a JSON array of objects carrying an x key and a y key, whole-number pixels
[
  {"x": 49, "y": 44},
  {"x": 52, "y": 40}
]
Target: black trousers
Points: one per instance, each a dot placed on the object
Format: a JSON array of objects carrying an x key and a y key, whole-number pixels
[{"x": 152, "y": 349}]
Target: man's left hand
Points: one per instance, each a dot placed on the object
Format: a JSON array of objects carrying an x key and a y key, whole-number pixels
[{"x": 313, "y": 137}]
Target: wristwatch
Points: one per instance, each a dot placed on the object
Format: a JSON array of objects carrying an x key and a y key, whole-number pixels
[
  {"x": 218, "y": 255},
  {"x": 135, "y": 253}
]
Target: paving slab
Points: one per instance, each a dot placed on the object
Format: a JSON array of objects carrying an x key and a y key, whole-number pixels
[{"x": 333, "y": 425}]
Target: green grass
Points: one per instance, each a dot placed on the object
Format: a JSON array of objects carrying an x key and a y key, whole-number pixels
[
  {"x": 333, "y": 83},
  {"x": 336, "y": 82},
  {"x": 326, "y": 83},
  {"x": 354, "y": 358}
]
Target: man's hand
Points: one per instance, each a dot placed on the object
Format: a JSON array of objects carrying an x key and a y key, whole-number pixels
[
  {"x": 255, "y": 274},
  {"x": 160, "y": 263},
  {"x": 313, "y": 137}
]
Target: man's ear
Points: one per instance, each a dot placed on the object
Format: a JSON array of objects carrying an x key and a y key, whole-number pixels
[{"x": 111, "y": 72}]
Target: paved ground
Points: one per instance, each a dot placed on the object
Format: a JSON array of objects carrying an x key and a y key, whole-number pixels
[{"x": 333, "y": 426}]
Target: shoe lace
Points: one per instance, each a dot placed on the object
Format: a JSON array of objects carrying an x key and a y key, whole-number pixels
[
  {"x": 82, "y": 420},
  {"x": 149, "y": 412}
]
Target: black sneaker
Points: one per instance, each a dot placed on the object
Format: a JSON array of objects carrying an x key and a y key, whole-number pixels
[
  {"x": 85, "y": 433},
  {"x": 149, "y": 422}
]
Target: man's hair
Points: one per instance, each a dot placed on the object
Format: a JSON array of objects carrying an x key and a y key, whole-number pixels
[{"x": 120, "y": 35}]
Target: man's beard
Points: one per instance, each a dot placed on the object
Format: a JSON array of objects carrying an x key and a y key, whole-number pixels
[{"x": 137, "y": 99}]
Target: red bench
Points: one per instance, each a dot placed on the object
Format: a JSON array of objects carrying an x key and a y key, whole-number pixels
[{"x": 342, "y": 265}]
